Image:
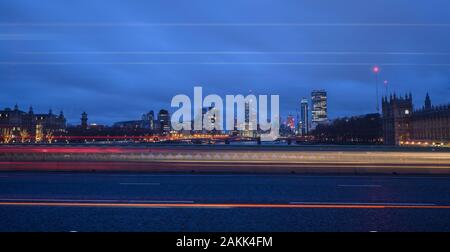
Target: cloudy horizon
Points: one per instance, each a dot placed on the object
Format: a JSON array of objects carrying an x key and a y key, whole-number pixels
[{"x": 117, "y": 60}]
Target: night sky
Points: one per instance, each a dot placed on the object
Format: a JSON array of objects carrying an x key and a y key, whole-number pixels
[{"x": 118, "y": 59}]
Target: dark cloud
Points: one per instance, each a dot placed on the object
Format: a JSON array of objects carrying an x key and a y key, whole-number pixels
[{"x": 119, "y": 59}]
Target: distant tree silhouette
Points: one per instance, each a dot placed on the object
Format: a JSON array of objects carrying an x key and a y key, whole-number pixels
[{"x": 365, "y": 129}]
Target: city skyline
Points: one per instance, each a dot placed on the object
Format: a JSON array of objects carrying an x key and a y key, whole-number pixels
[
  {"x": 400, "y": 123},
  {"x": 284, "y": 114},
  {"x": 225, "y": 124},
  {"x": 116, "y": 64}
]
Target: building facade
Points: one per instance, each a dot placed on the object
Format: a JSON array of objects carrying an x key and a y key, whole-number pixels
[
  {"x": 431, "y": 123},
  {"x": 319, "y": 107},
  {"x": 129, "y": 125},
  {"x": 250, "y": 116},
  {"x": 84, "y": 120},
  {"x": 20, "y": 126},
  {"x": 164, "y": 122},
  {"x": 362, "y": 129},
  {"x": 304, "y": 109},
  {"x": 148, "y": 120}
]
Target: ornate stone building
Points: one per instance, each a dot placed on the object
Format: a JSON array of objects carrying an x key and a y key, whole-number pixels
[
  {"x": 402, "y": 124},
  {"x": 20, "y": 126},
  {"x": 431, "y": 123}
]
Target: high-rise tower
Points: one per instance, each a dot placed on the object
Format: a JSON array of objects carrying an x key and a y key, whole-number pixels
[
  {"x": 319, "y": 106},
  {"x": 304, "y": 116}
]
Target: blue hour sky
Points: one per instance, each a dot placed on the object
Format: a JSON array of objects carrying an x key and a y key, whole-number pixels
[{"x": 118, "y": 59}]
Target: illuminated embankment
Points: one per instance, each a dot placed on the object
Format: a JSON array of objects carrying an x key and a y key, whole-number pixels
[{"x": 230, "y": 159}]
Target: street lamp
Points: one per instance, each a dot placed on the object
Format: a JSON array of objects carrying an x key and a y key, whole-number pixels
[{"x": 376, "y": 70}]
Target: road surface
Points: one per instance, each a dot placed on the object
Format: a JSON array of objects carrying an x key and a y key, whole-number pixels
[{"x": 222, "y": 202}]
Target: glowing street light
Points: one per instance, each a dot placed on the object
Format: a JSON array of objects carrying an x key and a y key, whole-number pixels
[{"x": 376, "y": 70}]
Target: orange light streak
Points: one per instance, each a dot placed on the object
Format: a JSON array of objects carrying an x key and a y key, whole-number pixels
[{"x": 224, "y": 205}]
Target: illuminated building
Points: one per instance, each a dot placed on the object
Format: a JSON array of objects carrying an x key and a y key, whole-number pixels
[
  {"x": 402, "y": 124},
  {"x": 128, "y": 125},
  {"x": 209, "y": 119},
  {"x": 319, "y": 107},
  {"x": 290, "y": 123},
  {"x": 15, "y": 121},
  {"x": 50, "y": 121},
  {"x": 164, "y": 121},
  {"x": 247, "y": 116},
  {"x": 304, "y": 117},
  {"x": 250, "y": 129},
  {"x": 361, "y": 129}
]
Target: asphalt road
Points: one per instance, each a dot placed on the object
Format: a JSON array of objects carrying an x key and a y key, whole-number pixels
[{"x": 222, "y": 202}]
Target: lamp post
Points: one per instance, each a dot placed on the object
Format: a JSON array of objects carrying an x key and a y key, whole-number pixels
[
  {"x": 386, "y": 87},
  {"x": 376, "y": 70}
]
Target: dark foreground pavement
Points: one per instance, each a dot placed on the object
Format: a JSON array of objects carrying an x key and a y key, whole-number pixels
[{"x": 222, "y": 202}]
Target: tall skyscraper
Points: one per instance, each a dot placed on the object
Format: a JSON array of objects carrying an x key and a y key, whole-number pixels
[
  {"x": 304, "y": 116},
  {"x": 319, "y": 106},
  {"x": 427, "y": 102},
  {"x": 164, "y": 121},
  {"x": 247, "y": 116},
  {"x": 250, "y": 114}
]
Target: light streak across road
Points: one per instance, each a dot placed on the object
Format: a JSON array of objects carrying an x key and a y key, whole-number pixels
[{"x": 225, "y": 205}]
